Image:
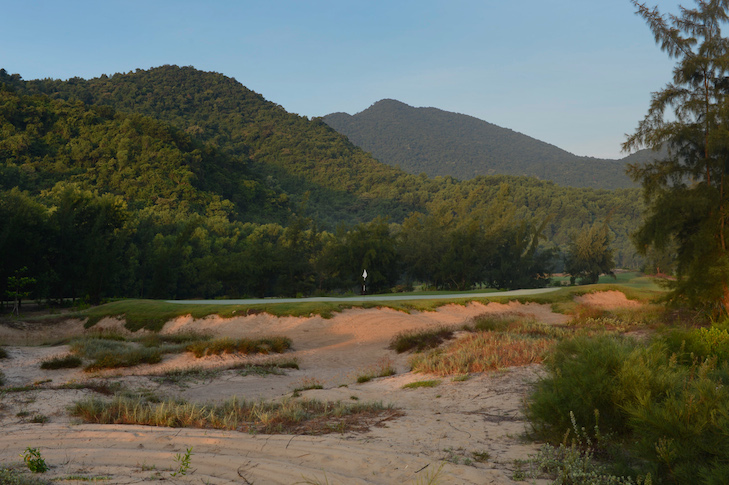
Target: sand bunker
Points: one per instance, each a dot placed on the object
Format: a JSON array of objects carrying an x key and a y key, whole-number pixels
[{"x": 450, "y": 424}]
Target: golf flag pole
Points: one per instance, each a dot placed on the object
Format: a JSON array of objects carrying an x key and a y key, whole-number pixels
[{"x": 364, "y": 282}]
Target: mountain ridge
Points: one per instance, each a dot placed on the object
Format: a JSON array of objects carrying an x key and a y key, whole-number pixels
[{"x": 438, "y": 142}]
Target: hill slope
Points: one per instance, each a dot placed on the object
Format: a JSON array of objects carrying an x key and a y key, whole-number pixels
[
  {"x": 305, "y": 159},
  {"x": 437, "y": 142}
]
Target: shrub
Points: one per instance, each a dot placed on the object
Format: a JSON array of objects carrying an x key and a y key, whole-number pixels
[
  {"x": 666, "y": 405},
  {"x": 582, "y": 378},
  {"x": 4, "y": 354}
]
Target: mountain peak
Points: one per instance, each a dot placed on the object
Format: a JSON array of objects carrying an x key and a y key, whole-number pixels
[{"x": 438, "y": 142}]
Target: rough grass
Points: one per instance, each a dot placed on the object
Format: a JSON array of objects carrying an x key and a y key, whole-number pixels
[
  {"x": 111, "y": 353},
  {"x": 241, "y": 346},
  {"x": 420, "y": 340},
  {"x": 108, "y": 350},
  {"x": 8, "y": 476},
  {"x": 416, "y": 385},
  {"x": 481, "y": 352},
  {"x": 65, "y": 362},
  {"x": 290, "y": 416},
  {"x": 382, "y": 369}
]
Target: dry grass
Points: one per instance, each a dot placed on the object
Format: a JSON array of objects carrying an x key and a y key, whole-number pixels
[
  {"x": 290, "y": 416},
  {"x": 241, "y": 346},
  {"x": 384, "y": 368},
  {"x": 481, "y": 352}
]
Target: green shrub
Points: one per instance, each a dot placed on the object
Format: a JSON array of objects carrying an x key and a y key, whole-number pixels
[
  {"x": 665, "y": 404},
  {"x": 582, "y": 378},
  {"x": 4, "y": 354}
]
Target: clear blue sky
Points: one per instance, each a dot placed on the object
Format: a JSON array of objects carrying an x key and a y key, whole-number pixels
[{"x": 574, "y": 73}]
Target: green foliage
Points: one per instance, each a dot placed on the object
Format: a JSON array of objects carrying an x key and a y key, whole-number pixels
[
  {"x": 665, "y": 404},
  {"x": 34, "y": 460},
  {"x": 177, "y": 183},
  {"x": 590, "y": 255},
  {"x": 183, "y": 462},
  {"x": 418, "y": 384},
  {"x": 582, "y": 379},
  {"x": 686, "y": 191}
]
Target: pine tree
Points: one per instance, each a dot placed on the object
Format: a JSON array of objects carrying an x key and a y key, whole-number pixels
[{"x": 685, "y": 191}]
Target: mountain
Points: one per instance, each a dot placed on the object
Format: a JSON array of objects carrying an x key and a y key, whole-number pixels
[
  {"x": 174, "y": 182},
  {"x": 305, "y": 161},
  {"x": 437, "y": 142}
]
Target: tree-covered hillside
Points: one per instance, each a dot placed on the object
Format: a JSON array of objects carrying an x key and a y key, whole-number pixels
[
  {"x": 173, "y": 182},
  {"x": 437, "y": 142},
  {"x": 287, "y": 152}
]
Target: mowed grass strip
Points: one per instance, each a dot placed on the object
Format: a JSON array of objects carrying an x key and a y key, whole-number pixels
[
  {"x": 481, "y": 352},
  {"x": 289, "y": 416}
]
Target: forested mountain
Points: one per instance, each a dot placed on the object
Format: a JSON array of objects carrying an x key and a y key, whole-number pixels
[
  {"x": 287, "y": 152},
  {"x": 437, "y": 142},
  {"x": 174, "y": 182}
]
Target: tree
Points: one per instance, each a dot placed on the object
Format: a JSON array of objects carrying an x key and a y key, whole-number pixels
[
  {"x": 685, "y": 191},
  {"x": 590, "y": 255}
]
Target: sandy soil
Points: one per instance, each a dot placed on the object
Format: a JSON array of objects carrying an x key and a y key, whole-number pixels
[{"x": 441, "y": 425}]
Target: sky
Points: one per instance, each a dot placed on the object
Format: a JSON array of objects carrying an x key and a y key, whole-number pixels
[{"x": 574, "y": 73}]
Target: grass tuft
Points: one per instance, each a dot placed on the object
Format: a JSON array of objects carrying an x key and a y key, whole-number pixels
[
  {"x": 420, "y": 340},
  {"x": 415, "y": 385},
  {"x": 65, "y": 362}
]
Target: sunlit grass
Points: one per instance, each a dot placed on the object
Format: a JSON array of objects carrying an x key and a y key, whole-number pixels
[
  {"x": 290, "y": 416},
  {"x": 482, "y": 352}
]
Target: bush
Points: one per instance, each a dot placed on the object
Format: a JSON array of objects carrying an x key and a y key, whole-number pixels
[
  {"x": 666, "y": 404},
  {"x": 582, "y": 378}
]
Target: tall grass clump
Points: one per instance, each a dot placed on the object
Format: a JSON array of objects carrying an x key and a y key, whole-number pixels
[
  {"x": 65, "y": 362},
  {"x": 112, "y": 353},
  {"x": 665, "y": 404},
  {"x": 226, "y": 345},
  {"x": 286, "y": 416},
  {"x": 480, "y": 352},
  {"x": 420, "y": 340}
]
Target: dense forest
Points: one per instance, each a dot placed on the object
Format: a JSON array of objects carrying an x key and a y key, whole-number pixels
[
  {"x": 178, "y": 183},
  {"x": 437, "y": 142}
]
